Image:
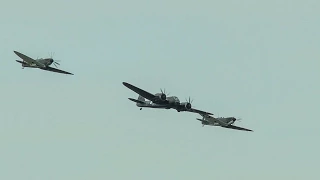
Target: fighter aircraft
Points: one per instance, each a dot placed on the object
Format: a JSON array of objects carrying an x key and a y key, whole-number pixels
[
  {"x": 160, "y": 101},
  {"x": 220, "y": 121},
  {"x": 42, "y": 63}
]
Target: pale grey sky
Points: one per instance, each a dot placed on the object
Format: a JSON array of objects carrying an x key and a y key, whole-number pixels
[{"x": 258, "y": 60}]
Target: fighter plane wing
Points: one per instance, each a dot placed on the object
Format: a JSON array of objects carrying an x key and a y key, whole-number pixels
[
  {"x": 55, "y": 70},
  {"x": 25, "y": 58},
  {"x": 199, "y": 112},
  {"x": 236, "y": 127},
  {"x": 139, "y": 91}
]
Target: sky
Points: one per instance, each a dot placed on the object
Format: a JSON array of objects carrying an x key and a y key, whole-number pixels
[{"x": 257, "y": 60}]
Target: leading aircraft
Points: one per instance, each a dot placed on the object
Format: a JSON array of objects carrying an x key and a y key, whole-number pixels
[
  {"x": 160, "y": 101},
  {"x": 42, "y": 63},
  {"x": 220, "y": 121}
]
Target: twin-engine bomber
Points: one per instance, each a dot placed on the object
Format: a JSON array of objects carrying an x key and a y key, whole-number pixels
[{"x": 161, "y": 101}]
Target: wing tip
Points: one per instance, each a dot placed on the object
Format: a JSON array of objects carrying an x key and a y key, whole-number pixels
[
  {"x": 16, "y": 52},
  {"x": 130, "y": 86}
]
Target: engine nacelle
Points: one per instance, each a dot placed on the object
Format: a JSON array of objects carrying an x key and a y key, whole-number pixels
[
  {"x": 162, "y": 97},
  {"x": 187, "y": 106}
]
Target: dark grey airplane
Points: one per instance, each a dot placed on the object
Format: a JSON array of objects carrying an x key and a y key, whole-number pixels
[
  {"x": 160, "y": 101},
  {"x": 220, "y": 121},
  {"x": 41, "y": 63}
]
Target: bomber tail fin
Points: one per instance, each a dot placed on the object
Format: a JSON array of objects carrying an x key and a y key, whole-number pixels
[{"x": 142, "y": 99}]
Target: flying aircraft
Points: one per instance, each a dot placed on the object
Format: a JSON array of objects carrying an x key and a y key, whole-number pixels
[
  {"x": 220, "y": 121},
  {"x": 160, "y": 101},
  {"x": 42, "y": 63}
]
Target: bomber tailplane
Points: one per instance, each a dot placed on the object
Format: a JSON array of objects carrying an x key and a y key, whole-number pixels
[
  {"x": 21, "y": 62},
  {"x": 136, "y": 101},
  {"x": 141, "y": 100}
]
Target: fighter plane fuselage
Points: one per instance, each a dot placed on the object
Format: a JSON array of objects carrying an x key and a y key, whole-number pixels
[
  {"x": 172, "y": 102},
  {"x": 220, "y": 121},
  {"x": 46, "y": 62}
]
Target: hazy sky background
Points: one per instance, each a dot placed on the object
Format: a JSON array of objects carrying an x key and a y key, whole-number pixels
[{"x": 258, "y": 60}]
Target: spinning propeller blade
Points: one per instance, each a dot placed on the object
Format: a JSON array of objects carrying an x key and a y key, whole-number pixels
[
  {"x": 55, "y": 62},
  {"x": 164, "y": 92},
  {"x": 189, "y": 100}
]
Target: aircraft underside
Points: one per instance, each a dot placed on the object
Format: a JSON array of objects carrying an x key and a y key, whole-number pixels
[
  {"x": 27, "y": 65},
  {"x": 24, "y": 64},
  {"x": 160, "y": 107},
  {"x": 210, "y": 124}
]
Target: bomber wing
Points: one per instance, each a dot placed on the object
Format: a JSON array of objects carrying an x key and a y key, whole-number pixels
[
  {"x": 139, "y": 91},
  {"x": 236, "y": 127},
  {"x": 199, "y": 112},
  {"x": 55, "y": 70}
]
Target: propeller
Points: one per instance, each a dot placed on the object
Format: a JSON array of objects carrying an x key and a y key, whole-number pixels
[
  {"x": 238, "y": 119},
  {"x": 189, "y": 103},
  {"x": 51, "y": 54},
  {"x": 189, "y": 100},
  {"x": 164, "y": 92},
  {"x": 202, "y": 122},
  {"x": 55, "y": 62}
]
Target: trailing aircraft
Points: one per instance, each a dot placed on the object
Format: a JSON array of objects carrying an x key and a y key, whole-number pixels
[
  {"x": 220, "y": 121},
  {"x": 161, "y": 101}
]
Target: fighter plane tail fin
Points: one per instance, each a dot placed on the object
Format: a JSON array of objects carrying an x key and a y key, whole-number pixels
[{"x": 19, "y": 61}]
